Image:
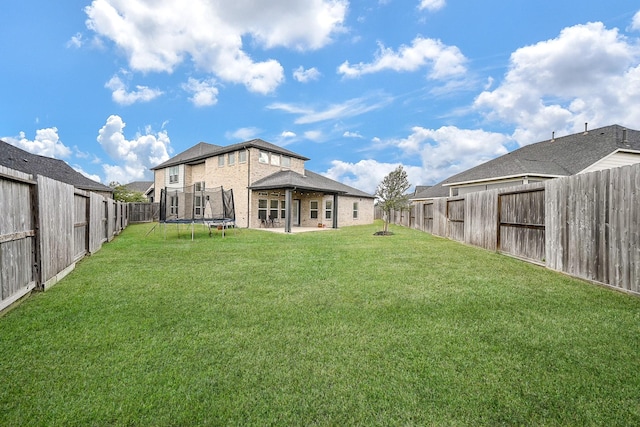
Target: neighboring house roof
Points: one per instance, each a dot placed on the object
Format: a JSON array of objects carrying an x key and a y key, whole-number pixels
[
  {"x": 139, "y": 186},
  {"x": 198, "y": 153},
  {"x": 23, "y": 161},
  {"x": 310, "y": 181},
  {"x": 563, "y": 156}
]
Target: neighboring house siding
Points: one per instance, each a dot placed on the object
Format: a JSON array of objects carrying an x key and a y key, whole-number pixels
[{"x": 615, "y": 160}]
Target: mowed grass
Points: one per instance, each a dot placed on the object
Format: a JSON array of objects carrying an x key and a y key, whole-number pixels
[{"x": 338, "y": 327}]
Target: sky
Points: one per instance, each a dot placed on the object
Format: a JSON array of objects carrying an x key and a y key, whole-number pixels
[{"x": 115, "y": 87}]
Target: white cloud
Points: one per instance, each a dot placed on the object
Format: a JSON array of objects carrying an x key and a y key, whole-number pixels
[
  {"x": 304, "y": 76},
  {"x": 445, "y": 61},
  {"x": 136, "y": 156},
  {"x": 121, "y": 96},
  {"x": 46, "y": 143},
  {"x": 349, "y": 134},
  {"x": 159, "y": 36},
  {"x": 313, "y": 135},
  {"x": 350, "y": 108},
  {"x": 449, "y": 150},
  {"x": 431, "y": 5},
  {"x": 365, "y": 175},
  {"x": 288, "y": 134},
  {"x": 635, "y": 23},
  {"x": 76, "y": 41},
  {"x": 244, "y": 134},
  {"x": 587, "y": 74},
  {"x": 205, "y": 92},
  {"x": 441, "y": 152},
  {"x": 94, "y": 177}
]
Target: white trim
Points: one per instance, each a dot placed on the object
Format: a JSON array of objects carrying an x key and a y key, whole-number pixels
[{"x": 501, "y": 178}]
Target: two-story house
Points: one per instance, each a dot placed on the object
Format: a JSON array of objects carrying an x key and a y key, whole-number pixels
[{"x": 270, "y": 185}]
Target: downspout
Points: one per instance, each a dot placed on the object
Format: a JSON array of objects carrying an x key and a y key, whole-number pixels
[{"x": 248, "y": 185}]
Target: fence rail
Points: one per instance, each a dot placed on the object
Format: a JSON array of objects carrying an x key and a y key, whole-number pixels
[
  {"x": 46, "y": 226},
  {"x": 587, "y": 225}
]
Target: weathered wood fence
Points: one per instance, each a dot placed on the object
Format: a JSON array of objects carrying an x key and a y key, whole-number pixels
[
  {"x": 585, "y": 225},
  {"x": 144, "y": 212},
  {"x": 46, "y": 226}
]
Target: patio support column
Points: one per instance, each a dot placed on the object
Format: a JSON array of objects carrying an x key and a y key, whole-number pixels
[
  {"x": 287, "y": 211},
  {"x": 335, "y": 211}
]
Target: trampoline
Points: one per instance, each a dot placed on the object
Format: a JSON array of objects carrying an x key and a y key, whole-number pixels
[{"x": 212, "y": 207}]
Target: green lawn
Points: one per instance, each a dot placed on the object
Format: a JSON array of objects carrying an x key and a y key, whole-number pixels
[{"x": 338, "y": 327}]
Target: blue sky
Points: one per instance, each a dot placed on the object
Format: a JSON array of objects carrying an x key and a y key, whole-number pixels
[{"x": 114, "y": 87}]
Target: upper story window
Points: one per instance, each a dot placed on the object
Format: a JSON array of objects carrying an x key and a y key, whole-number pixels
[
  {"x": 263, "y": 157},
  {"x": 173, "y": 174},
  {"x": 285, "y": 161},
  {"x": 242, "y": 156},
  {"x": 220, "y": 160},
  {"x": 198, "y": 186},
  {"x": 231, "y": 158},
  {"x": 275, "y": 159}
]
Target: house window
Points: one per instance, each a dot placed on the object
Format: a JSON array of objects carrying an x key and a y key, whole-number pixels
[
  {"x": 197, "y": 205},
  {"x": 173, "y": 174},
  {"x": 220, "y": 161},
  {"x": 273, "y": 209},
  {"x": 262, "y": 209},
  {"x": 275, "y": 159},
  {"x": 242, "y": 156},
  {"x": 231, "y": 160},
  {"x": 286, "y": 161},
  {"x": 313, "y": 207},
  {"x": 263, "y": 157},
  {"x": 198, "y": 186},
  {"x": 355, "y": 210},
  {"x": 283, "y": 210},
  {"x": 328, "y": 209},
  {"x": 173, "y": 205}
]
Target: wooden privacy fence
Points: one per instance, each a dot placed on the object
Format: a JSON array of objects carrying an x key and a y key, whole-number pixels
[
  {"x": 144, "y": 212},
  {"x": 46, "y": 226},
  {"x": 585, "y": 225}
]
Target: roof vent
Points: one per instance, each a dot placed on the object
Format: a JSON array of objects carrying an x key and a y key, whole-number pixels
[
  {"x": 586, "y": 125},
  {"x": 553, "y": 136},
  {"x": 624, "y": 136}
]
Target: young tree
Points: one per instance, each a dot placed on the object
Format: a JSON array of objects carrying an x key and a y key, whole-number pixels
[{"x": 390, "y": 193}]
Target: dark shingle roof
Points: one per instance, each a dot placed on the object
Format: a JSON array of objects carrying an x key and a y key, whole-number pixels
[
  {"x": 564, "y": 156},
  {"x": 23, "y": 161},
  {"x": 139, "y": 186},
  {"x": 203, "y": 150},
  {"x": 310, "y": 181}
]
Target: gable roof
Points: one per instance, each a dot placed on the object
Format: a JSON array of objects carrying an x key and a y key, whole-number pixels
[
  {"x": 23, "y": 161},
  {"x": 198, "y": 153},
  {"x": 564, "y": 156},
  {"x": 310, "y": 181},
  {"x": 139, "y": 186},
  {"x": 201, "y": 150}
]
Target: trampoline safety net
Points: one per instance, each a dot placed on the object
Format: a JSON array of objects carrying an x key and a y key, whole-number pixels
[{"x": 191, "y": 204}]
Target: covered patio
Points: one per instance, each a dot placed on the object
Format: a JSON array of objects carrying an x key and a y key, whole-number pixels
[{"x": 289, "y": 202}]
